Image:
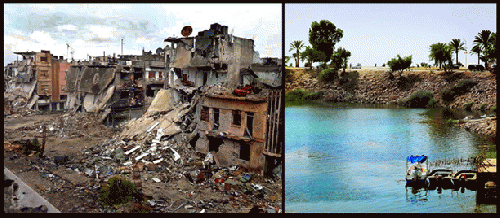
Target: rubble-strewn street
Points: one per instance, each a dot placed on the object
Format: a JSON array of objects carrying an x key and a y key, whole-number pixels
[
  {"x": 195, "y": 127},
  {"x": 81, "y": 154}
]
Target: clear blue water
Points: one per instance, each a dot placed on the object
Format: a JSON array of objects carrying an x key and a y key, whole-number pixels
[{"x": 352, "y": 159}]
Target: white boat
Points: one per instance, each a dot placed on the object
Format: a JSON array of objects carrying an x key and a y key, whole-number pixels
[{"x": 417, "y": 170}]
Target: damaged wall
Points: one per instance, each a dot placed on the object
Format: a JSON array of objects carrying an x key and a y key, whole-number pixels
[
  {"x": 211, "y": 57},
  {"x": 235, "y": 137},
  {"x": 86, "y": 85}
]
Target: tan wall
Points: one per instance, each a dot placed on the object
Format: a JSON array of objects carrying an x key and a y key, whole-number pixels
[
  {"x": 43, "y": 73},
  {"x": 63, "y": 67},
  {"x": 229, "y": 151},
  {"x": 226, "y": 106}
]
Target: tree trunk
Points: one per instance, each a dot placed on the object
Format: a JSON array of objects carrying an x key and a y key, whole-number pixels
[{"x": 298, "y": 57}]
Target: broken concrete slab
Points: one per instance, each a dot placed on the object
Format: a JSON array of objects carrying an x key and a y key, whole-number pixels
[{"x": 161, "y": 102}]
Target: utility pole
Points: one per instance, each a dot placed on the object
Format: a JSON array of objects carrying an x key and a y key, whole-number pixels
[{"x": 122, "y": 48}]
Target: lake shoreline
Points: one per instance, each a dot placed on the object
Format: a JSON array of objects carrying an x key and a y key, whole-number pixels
[{"x": 378, "y": 87}]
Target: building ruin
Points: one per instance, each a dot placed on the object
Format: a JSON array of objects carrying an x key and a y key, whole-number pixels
[{"x": 37, "y": 81}]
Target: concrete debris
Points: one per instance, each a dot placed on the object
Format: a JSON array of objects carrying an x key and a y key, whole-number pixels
[{"x": 138, "y": 118}]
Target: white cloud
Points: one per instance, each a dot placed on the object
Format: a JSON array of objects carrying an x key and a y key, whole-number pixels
[
  {"x": 43, "y": 38},
  {"x": 103, "y": 32},
  {"x": 143, "y": 40},
  {"x": 67, "y": 27},
  {"x": 144, "y": 25}
]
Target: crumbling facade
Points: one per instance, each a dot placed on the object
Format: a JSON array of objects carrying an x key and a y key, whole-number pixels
[
  {"x": 112, "y": 85},
  {"x": 237, "y": 112},
  {"x": 38, "y": 79},
  {"x": 212, "y": 57},
  {"x": 240, "y": 130}
]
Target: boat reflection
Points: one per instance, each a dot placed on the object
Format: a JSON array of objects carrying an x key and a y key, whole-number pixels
[{"x": 417, "y": 194}]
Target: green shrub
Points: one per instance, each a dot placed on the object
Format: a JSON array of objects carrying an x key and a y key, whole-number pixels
[
  {"x": 482, "y": 107},
  {"x": 299, "y": 94},
  {"x": 448, "y": 95},
  {"x": 421, "y": 99},
  {"x": 494, "y": 109},
  {"x": 468, "y": 106},
  {"x": 32, "y": 145},
  {"x": 117, "y": 191},
  {"x": 464, "y": 86},
  {"x": 451, "y": 121},
  {"x": 314, "y": 95},
  {"x": 460, "y": 88},
  {"x": 399, "y": 64},
  {"x": 329, "y": 75},
  {"x": 295, "y": 95}
]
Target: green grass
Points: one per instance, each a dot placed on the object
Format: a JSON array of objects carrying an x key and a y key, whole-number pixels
[{"x": 300, "y": 95}]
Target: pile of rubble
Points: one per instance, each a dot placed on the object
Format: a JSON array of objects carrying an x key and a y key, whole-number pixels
[
  {"x": 154, "y": 152},
  {"x": 174, "y": 178}
]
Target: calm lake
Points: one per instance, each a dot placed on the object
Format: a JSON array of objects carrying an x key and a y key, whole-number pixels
[{"x": 345, "y": 158}]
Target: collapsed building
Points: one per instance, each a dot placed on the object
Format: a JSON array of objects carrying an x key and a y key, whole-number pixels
[
  {"x": 112, "y": 85},
  {"x": 230, "y": 98},
  {"x": 37, "y": 81},
  {"x": 239, "y": 114}
]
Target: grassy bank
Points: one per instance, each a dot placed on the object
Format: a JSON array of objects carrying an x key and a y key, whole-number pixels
[{"x": 299, "y": 96}]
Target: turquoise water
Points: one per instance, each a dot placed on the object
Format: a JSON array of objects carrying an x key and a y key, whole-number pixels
[{"x": 342, "y": 158}]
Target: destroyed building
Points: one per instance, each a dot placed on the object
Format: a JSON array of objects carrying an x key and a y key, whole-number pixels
[
  {"x": 241, "y": 130},
  {"x": 37, "y": 81},
  {"x": 211, "y": 57},
  {"x": 239, "y": 114},
  {"x": 236, "y": 97},
  {"x": 110, "y": 84}
]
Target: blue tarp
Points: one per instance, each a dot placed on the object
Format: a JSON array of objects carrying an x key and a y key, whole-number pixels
[{"x": 414, "y": 159}]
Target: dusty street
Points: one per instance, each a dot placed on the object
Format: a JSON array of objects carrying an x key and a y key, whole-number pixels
[{"x": 81, "y": 155}]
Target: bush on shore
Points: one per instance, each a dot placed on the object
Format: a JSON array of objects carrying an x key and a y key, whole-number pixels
[
  {"x": 329, "y": 75},
  {"x": 300, "y": 94},
  {"x": 460, "y": 88},
  {"x": 468, "y": 106},
  {"x": 421, "y": 99}
]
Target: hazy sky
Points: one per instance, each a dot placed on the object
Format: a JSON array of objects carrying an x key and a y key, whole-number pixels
[
  {"x": 375, "y": 33},
  {"x": 93, "y": 28}
]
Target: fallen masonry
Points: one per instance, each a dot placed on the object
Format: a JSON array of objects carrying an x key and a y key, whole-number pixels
[{"x": 153, "y": 152}]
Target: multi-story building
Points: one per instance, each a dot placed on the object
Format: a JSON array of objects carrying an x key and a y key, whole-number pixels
[
  {"x": 40, "y": 77},
  {"x": 211, "y": 57},
  {"x": 239, "y": 113},
  {"x": 241, "y": 130}
]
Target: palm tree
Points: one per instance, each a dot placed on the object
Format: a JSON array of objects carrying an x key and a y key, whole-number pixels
[
  {"x": 296, "y": 45},
  {"x": 457, "y": 45},
  {"x": 482, "y": 40},
  {"x": 441, "y": 54},
  {"x": 477, "y": 49}
]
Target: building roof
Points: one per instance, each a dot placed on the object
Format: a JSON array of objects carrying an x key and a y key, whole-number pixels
[{"x": 25, "y": 52}]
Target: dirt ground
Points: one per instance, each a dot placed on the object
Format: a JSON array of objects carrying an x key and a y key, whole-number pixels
[
  {"x": 72, "y": 185},
  {"x": 36, "y": 171}
]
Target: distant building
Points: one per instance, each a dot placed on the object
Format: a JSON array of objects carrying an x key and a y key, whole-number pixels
[{"x": 40, "y": 78}]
